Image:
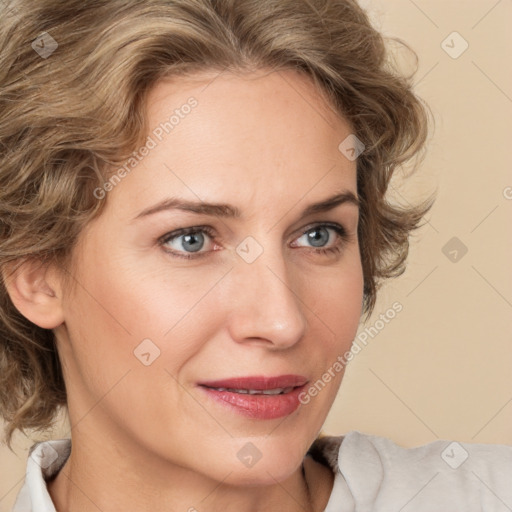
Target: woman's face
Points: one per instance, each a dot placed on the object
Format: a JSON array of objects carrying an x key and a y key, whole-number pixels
[{"x": 161, "y": 318}]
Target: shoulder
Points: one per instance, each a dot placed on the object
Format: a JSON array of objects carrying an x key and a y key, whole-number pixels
[{"x": 378, "y": 472}]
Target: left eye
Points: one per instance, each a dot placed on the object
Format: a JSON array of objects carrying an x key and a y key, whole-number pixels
[
  {"x": 319, "y": 235},
  {"x": 189, "y": 242}
]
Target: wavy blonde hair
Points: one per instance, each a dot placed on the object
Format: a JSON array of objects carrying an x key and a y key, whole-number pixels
[{"x": 65, "y": 120}]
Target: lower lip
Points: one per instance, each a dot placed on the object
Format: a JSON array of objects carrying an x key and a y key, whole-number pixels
[{"x": 263, "y": 407}]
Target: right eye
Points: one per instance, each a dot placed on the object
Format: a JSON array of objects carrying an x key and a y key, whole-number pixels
[{"x": 187, "y": 242}]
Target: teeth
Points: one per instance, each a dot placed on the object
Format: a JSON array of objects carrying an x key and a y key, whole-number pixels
[{"x": 277, "y": 391}]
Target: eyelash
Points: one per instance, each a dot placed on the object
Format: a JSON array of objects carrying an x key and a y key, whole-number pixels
[{"x": 340, "y": 231}]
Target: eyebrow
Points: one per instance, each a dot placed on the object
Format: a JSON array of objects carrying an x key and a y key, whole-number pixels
[{"x": 229, "y": 211}]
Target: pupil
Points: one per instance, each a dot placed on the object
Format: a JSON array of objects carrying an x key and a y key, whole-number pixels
[
  {"x": 192, "y": 239},
  {"x": 320, "y": 240}
]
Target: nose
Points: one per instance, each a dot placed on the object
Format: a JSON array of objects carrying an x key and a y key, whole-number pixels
[{"x": 266, "y": 305}]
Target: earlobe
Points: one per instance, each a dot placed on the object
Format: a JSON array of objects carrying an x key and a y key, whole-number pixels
[{"x": 35, "y": 291}]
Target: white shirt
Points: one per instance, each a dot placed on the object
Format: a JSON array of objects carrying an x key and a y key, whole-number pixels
[{"x": 372, "y": 474}]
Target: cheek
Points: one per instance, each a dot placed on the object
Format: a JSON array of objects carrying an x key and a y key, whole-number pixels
[
  {"x": 338, "y": 308},
  {"x": 336, "y": 300},
  {"x": 143, "y": 308},
  {"x": 129, "y": 346}
]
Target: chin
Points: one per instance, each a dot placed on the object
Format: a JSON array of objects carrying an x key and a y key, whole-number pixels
[
  {"x": 263, "y": 461},
  {"x": 262, "y": 474}
]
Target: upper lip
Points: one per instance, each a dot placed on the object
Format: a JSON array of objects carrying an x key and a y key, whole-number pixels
[{"x": 258, "y": 382}]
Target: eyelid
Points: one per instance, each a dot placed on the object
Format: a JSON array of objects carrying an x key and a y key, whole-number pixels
[
  {"x": 326, "y": 224},
  {"x": 213, "y": 233}
]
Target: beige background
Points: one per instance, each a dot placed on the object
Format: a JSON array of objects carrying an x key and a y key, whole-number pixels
[{"x": 441, "y": 368}]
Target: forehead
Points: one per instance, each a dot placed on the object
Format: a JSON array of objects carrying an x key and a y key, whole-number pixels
[
  {"x": 250, "y": 102},
  {"x": 226, "y": 136}
]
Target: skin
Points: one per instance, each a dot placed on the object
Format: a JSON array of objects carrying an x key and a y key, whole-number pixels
[{"x": 146, "y": 438}]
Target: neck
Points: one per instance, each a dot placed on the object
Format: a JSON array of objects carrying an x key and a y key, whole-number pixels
[{"x": 114, "y": 479}]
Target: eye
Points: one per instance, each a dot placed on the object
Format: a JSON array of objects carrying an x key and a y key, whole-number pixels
[
  {"x": 320, "y": 235},
  {"x": 187, "y": 242}
]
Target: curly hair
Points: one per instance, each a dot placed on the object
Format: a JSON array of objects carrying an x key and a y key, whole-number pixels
[{"x": 68, "y": 117}]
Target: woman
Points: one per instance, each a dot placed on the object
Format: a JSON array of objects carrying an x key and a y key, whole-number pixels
[{"x": 194, "y": 219}]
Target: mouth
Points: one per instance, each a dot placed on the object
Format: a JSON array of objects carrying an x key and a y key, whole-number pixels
[{"x": 257, "y": 397}]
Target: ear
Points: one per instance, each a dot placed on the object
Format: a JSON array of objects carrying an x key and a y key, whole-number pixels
[{"x": 35, "y": 291}]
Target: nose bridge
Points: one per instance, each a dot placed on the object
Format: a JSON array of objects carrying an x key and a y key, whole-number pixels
[{"x": 267, "y": 303}]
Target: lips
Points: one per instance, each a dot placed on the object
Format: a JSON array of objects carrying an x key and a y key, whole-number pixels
[{"x": 257, "y": 397}]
